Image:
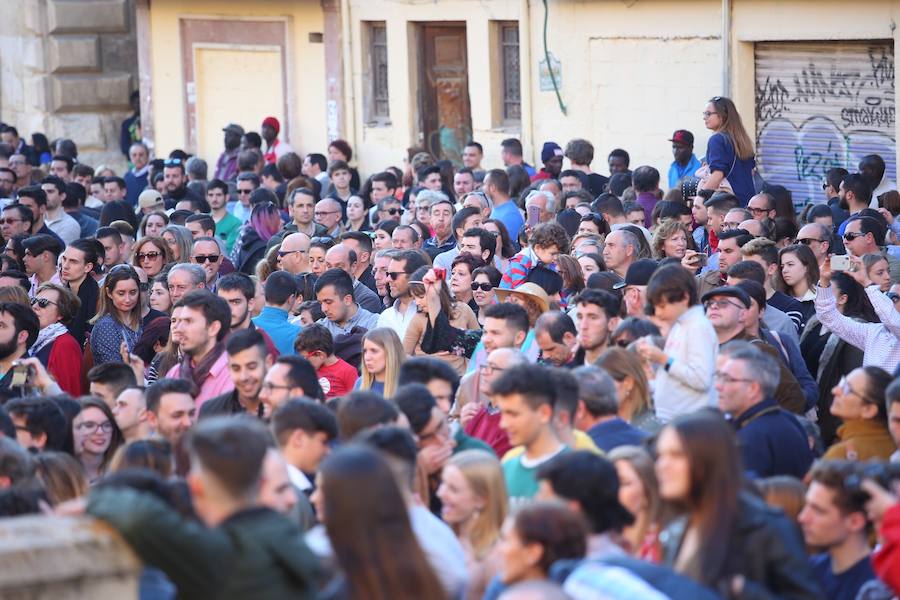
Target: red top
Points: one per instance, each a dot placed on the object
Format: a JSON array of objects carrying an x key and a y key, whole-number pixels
[
  {"x": 486, "y": 427},
  {"x": 887, "y": 560},
  {"x": 64, "y": 364},
  {"x": 337, "y": 379}
]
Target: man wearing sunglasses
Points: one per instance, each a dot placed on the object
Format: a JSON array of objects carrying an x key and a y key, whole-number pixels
[
  {"x": 246, "y": 184},
  {"x": 389, "y": 209},
  {"x": 865, "y": 235},
  {"x": 401, "y": 312},
  {"x": 207, "y": 253},
  {"x": 818, "y": 238}
]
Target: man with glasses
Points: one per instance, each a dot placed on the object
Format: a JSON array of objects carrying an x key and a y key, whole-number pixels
[
  {"x": 23, "y": 170},
  {"x": 818, "y": 239},
  {"x": 771, "y": 440},
  {"x": 207, "y": 253},
  {"x": 7, "y": 183},
  {"x": 17, "y": 219},
  {"x": 328, "y": 214},
  {"x": 290, "y": 377},
  {"x": 389, "y": 209},
  {"x": 246, "y": 184},
  {"x": 865, "y": 235},
  {"x": 294, "y": 253},
  {"x": 303, "y": 203},
  {"x": 762, "y": 208},
  {"x": 399, "y": 315},
  {"x": 728, "y": 308},
  {"x": 734, "y": 218}
]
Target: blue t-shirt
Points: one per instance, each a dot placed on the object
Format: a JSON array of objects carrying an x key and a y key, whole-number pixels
[
  {"x": 509, "y": 214},
  {"x": 720, "y": 157},
  {"x": 676, "y": 171},
  {"x": 844, "y": 585}
]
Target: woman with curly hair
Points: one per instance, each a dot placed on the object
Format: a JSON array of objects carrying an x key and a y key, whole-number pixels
[{"x": 671, "y": 240}]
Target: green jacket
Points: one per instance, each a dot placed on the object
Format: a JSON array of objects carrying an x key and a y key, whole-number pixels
[{"x": 255, "y": 553}]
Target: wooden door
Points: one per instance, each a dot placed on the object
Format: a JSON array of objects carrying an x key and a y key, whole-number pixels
[{"x": 445, "y": 112}]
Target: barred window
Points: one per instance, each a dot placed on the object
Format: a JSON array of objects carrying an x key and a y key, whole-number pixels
[
  {"x": 379, "y": 105},
  {"x": 509, "y": 52}
]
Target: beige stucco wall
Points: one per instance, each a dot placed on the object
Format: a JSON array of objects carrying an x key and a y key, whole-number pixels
[
  {"x": 305, "y": 64},
  {"x": 632, "y": 71}
]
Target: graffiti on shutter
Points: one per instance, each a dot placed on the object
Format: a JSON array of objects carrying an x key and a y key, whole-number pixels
[{"x": 821, "y": 105}]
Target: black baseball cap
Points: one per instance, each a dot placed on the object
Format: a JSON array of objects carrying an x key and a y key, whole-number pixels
[
  {"x": 728, "y": 290},
  {"x": 639, "y": 273}
]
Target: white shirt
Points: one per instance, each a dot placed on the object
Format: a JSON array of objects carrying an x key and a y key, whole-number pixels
[
  {"x": 442, "y": 549},
  {"x": 392, "y": 318},
  {"x": 298, "y": 479},
  {"x": 64, "y": 226},
  {"x": 886, "y": 185}
]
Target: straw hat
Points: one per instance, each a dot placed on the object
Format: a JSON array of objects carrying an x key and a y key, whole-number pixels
[{"x": 529, "y": 290}]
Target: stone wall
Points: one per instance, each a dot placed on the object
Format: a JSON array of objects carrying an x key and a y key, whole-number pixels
[
  {"x": 63, "y": 558},
  {"x": 67, "y": 68}
]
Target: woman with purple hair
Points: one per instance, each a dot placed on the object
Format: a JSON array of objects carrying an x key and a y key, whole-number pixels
[{"x": 265, "y": 221}]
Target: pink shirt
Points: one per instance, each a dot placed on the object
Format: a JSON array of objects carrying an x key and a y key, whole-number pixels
[{"x": 217, "y": 382}]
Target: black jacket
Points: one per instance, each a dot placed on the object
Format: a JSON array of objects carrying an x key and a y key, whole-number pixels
[
  {"x": 764, "y": 546},
  {"x": 226, "y": 404},
  {"x": 252, "y": 250}
]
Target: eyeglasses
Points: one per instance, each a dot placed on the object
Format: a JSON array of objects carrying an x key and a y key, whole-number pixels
[
  {"x": 242, "y": 192},
  {"x": 850, "y": 236},
  {"x": 728, "y": 379},
  {"x": 171, "y": 162},
  {"x": 484, "y": 287},
  {"x": 325, "y": 213},
  {"x": 845, "y": 388},
  {"x": 759, "y": 211},
  {"x": 488, "y": 368},
  {"x": 43, "y": 302},
  {"x": 283, "y": 253},
  {"x": 9, "y": 221},
  {"x": 395, "y": 275},
  {"x": 394, "y": 211},
  {"x": 707, "y": 114},
  {"x": 145, "y": 255},
  {"x": 93, "y": 426},
  {"x": 729, "y": 226},
  {"x": 271, "y": 386},
  {"x": 202, "y": 258},
  {"x": 623, "y": 342},
  {"x": 722, "y": 303},
  {"x": 325, "y": 239},
  {"x": 808, "y": 241}
]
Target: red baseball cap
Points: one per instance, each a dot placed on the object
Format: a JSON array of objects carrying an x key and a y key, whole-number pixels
[{"x": 683, "y": 136}]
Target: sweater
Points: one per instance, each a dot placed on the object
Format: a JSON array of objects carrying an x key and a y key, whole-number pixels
[{"x": 862, "y": 440}]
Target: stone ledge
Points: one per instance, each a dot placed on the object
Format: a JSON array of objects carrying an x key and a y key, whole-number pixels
[
  {"x": 90, "y": 91},
  {"x": 70, "y": 53},
  {"x": 68, "y": 16},
  {"x": 63, "y": 557}
]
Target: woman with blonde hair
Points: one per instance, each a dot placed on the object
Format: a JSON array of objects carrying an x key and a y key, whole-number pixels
[
  {"x": 671, "y": 240},
  {"x": 632, "y": 388},
  {"x": 729, "y": 152},
  {"x": 474, "y": 504},
  {"x": 13, "y": 293},
  {"x": 639, "y": 493},
  {"x": 382, "y": 354}
]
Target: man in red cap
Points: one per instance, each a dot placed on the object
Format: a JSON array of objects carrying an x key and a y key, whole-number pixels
[
  {"x": 685, "y": 162},
  {"x": 275, "y": 148}
]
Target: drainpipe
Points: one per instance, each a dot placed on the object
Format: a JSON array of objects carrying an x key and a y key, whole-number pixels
[
  {"x": 726, "y": 48},
  {"x": 526, "y": 70},
  {"x": 349, "y": 79}
]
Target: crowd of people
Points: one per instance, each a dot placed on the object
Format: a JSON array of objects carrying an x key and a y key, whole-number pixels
[{"x": 281, "y": 378}]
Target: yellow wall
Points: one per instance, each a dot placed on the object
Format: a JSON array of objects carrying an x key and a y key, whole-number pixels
[
  {"x": 305, "y": 77},
  {"x": 631, "y": 74}
]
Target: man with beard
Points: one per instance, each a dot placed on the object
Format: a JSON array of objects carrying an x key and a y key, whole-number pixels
[
  {"x": 239, "y": 291},
  {"x": 200, "y": 328},
  {"x": 597, "y": 316},
  {"x": 18, "y": 331},
  {"x": 248, "y": 361},
  {"x": 176, "y": 183}
]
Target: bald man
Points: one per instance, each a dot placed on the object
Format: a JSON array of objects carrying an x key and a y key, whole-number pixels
[
  {"x": 294, "y": 253},
  {"x": 328, "y": 214},
  {"x": 752, "y": 226},
  {"x": 343, "y": 258},
  {"x": 817, "y": 238}
]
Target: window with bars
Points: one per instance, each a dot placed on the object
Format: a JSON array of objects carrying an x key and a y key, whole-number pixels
[
  {"x": 511, "y": 100},
  {"x": 379, "y": 109}
]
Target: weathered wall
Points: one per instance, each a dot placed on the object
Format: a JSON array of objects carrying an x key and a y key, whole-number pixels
[
  {"x": 57, "y": 558},
  {"x": 67, "y": 69},
  {"x": 304, "y": 74}
]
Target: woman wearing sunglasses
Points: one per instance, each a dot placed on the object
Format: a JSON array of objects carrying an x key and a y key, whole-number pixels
[
  {"x": 118, "y": 318},
  {"x": 56, "y": 348},
  {"x": 460, "y": 314},
  {"x": 859, "y": 403},
  {"x": 484, "y": 280},
  {"x": 151, "y": 254}
]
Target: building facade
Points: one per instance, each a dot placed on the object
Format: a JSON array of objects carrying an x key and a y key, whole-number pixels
[{"x": 814, "y": 81}]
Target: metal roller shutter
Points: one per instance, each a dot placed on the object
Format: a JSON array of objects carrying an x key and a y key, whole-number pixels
[{"x": 821, "y": 105}]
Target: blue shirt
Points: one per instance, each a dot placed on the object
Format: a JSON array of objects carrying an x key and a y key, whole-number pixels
[
  {"x": 274, "y": 321},
  {"x": 720, "y": 156},
  {"x": 772, "y": 442},
  {"x": 840, "y": 586},
  {"x": 614, "y": 433},
  {"x": 508, "y": 214},
  {"x": 676, "y": 171}
]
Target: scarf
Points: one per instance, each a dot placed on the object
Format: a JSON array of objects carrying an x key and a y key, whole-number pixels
[
  {"x": 46, "y": 336},
  {"x": 199, "y": 373}
]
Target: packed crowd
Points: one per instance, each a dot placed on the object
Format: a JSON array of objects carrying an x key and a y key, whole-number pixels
[{"x": 445, "y": 381}]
